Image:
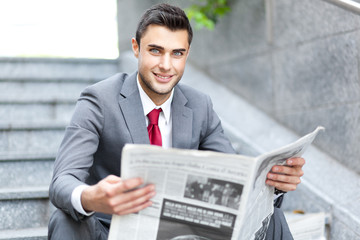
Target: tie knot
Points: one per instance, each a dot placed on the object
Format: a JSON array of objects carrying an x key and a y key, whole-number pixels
[{"x": 154, "y": 116}]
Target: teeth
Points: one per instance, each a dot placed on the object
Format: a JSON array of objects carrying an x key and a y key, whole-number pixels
[{"x": 163, "y": 77}]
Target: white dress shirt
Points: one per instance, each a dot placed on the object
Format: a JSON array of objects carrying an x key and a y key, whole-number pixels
[{"x": 165, "y": 125}]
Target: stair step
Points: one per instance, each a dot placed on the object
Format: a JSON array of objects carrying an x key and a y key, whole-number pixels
[
  {"x": 34, "y": 112},
  {"x": 26, "y": 157},
  {"x": 57, "y": 68},
  {"x": 25, "y": 172},
  {"x": 35, "y": 138},
  {"x": 40, "y": 92},
  {"x": 25, "y": 234},
  {"x": 40, "y": 125},
  {"x": 41, "y": 192},
  {"x": 24, "y": 208}
]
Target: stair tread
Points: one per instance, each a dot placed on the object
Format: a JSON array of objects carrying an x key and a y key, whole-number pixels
[
  {"x": 24, "y": 193},
  {"x": 27, "y": 157},
  {"x": 33, "y": 125},
  {"x": 52, "y": 100},
  {"x": 27, "y": 233}
]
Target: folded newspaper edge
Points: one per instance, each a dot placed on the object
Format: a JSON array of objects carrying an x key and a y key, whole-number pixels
[{"x": 202, "y": 194}]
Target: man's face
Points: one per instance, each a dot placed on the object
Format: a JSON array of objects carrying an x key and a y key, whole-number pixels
[{"x": 161, "y": 60}]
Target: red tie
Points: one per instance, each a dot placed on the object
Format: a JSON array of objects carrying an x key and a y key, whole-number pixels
[{"x": 153, "y": 128}]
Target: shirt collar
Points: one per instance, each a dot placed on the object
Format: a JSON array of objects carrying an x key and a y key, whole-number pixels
[{"x": 149, "y": 105}]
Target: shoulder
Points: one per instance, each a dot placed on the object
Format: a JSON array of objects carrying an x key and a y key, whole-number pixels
[
  {"x": 108, "y": 85},
  {"x": 192, "y": 94}
]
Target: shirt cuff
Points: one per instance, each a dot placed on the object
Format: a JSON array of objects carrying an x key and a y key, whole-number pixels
[
  {"x": 76, "y": 200},
  {"x": 276, "y": 196}
]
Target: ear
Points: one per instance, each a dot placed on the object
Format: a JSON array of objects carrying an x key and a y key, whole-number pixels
[
  {"x": 187, "y": 55},
  {"x": 135, "y": 47}
]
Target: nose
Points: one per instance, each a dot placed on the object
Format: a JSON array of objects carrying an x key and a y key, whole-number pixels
[{"x": 165, "y": 62}]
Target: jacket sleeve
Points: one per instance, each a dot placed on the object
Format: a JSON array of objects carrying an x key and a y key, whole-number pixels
[
  {"x": 75, "y": 155},
  {"x": 214, "y": 138}
]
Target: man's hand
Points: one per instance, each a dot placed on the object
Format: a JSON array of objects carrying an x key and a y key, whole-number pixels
[
  {"x": 112, "y": 195},
  {"x": 287, "y": 177}
]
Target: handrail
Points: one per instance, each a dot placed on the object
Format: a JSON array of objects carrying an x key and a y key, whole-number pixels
[{"x": 347, "y": 4}]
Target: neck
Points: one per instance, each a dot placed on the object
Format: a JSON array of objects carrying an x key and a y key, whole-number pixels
[{"x": 159, "y": 100}]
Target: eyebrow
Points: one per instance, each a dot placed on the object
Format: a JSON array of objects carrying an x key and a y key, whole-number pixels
[{"x": 162, "y": 48}]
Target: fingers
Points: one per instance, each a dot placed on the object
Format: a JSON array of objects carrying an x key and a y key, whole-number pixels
[
  {"x": 112, "y": 179},
  {"x": 283, "y": 182},
  {"x": 134, "y": 205},
  {"x": 286, "y": 170},
  {"x": 135, "y": 197},
  {"x": 286, "y": 187},
  {"x": 298, "y": 161},
  {"x": 114, "y": 195},
  {"x": 128, "y": 199},
  {"x": 115, "y": 185},
  {"x": 287, "y": 177}
]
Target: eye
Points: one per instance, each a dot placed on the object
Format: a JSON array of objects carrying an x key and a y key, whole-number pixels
[
  {"x": 154, "y": 50},
  {"x": 178, "y": 53}
]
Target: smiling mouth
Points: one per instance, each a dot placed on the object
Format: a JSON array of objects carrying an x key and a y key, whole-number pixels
[{"x": 163, "y": 77}]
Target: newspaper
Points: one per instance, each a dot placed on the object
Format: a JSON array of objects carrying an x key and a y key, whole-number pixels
[
  {"x": 307, "y": 226},
  {"x": 202, "y": 195}
]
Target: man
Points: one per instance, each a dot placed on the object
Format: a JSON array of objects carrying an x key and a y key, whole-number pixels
[{"x": 86, "y": 187}]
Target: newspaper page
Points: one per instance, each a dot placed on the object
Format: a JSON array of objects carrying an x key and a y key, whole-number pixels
[
  {"x": 198, "y": 193},
  {"x": 201, "y": 195},
  {"x": 259, "y": 204},
  {"x": 307, "y": 226}
]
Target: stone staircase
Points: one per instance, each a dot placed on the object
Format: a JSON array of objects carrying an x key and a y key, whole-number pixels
[{"x": 37, "y": 97}]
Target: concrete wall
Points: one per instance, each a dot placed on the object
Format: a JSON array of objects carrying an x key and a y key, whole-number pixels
[{"x": 306, "y": 75}]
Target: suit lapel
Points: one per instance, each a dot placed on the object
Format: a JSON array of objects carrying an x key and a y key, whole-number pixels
[
  {"x": 181, "y": 121},
  {"x": 132, "y": 109}
]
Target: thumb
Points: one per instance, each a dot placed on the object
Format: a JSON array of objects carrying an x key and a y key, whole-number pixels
[{"x": 112, "y": 179}]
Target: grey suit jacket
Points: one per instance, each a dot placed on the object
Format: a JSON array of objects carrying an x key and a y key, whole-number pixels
[{"x": 108, "y": 115}]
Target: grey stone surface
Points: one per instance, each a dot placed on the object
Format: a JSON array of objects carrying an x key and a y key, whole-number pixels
[
  {"x": 317, "y": 74},
  {"x": 36, "y": 102},
  {"x": 24, "y": 193},
  {"x": 300, "y": 21},
  {"x": 24, "y": 234},
  {"x": 251, "y": 78},
  {"x": 36, "y": 112},
  {"x": 342, "y": 231},
  {"x": 19, "y": 214},
  {"x": 17, "y": 174},
  {"x": 306, "y": 200},
  {"x": 239, "y": 34},
  {"x": 32, "y": 142},
  {"x": 129, "y": 13},
  {"x": 72, "y": 69},
  {"x": 4, "y": 142},
  {"x": 342, "y": 136},
  {"x": 128, "y": 62},
  {"x": 40, "y": 91}
]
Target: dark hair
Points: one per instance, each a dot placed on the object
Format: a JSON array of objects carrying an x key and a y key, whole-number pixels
[{"x": 166, "y": 15}]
